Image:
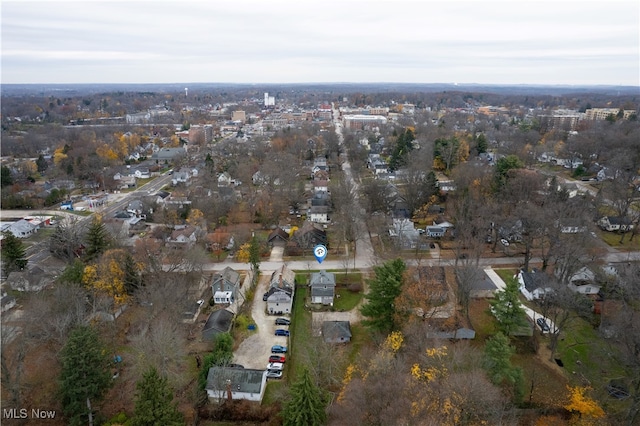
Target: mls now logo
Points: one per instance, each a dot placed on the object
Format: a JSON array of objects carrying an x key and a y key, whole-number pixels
[{"x": 23, "y": 413}]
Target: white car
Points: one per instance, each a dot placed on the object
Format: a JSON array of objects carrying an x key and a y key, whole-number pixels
[
  {"x": 275, "y": 366},
  {"x": 272, "y": 374},
  {"x": 504, "y": 242}
]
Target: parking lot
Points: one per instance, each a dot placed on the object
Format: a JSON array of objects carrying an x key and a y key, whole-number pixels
[{"x": 254, "y": 351}]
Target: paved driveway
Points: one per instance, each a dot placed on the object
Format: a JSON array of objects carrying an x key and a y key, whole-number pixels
[{"x": 254, "y": 351}]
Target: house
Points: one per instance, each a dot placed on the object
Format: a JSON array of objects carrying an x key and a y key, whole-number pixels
[
  {"x": 443, "y": 223},
  {"x": 336, "y": 331},
  {"x": 306, "y": 238},
  {"x": 224, "y": 179},
  {"x": 319, "y": 214},
  {"x": 183, "y": 237},
  {"x": 182, "y": 176},
  {"x": 435, "y": 231},
  {"x": 281, "y": 291},
  {"x": 236, "y": 383},
  {"x": 218, "y": 322},
  {"x": 583, "y": 282},
  {"x": 278, "y": 237},
  {"x": 7, "y": 302},
  {"x": 34, "y": 279},
  {"x": 225, "y": 285},
  {"x": 124, "y": 181},
  {"x": 404, "y": 233},
  {"x": 571, "y": 226},
  {"x": 22, "y": 228},
  {"x": 320, "y": 186},
  {"x": 323, "y": 287},
  {"x": 168, "y": 154},
  {"x": 142, "y": 173},
  {"x": 482, "y": 286},
  {"x": 534, "y": 285},
  {"x": 615, "y": 223}
]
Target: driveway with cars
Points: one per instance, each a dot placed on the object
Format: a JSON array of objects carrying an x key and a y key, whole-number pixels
[{"x": 254, "y": 351}]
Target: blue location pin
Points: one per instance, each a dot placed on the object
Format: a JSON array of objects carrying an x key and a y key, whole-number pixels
[{"x": 320, "y": 252}]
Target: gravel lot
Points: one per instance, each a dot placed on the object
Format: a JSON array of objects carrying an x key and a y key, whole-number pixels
[{"x": 254, "y": 351}]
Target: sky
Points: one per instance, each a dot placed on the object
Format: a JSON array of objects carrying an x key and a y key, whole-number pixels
[{"x": 301, "y": 41}]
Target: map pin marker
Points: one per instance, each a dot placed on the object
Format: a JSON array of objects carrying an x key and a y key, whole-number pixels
[{"x": 320, "y": 252}]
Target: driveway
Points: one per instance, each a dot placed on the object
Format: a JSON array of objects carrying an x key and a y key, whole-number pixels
[{"x": 254, "y": 351}]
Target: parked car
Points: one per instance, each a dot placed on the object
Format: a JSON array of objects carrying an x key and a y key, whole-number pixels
[
  {"x": 275, "y": 366},
  {"x": 282, "y": 321},
  {"x": 265, "y": 297},
  {"x": 504, "y": 242},
  {"x": 277, "y": 358},
  {"x": 274, "y": 374},
  {"x": 543, "y": 325},
  {"x": 278, "y": 349},
  {"x": 282, "y": 332}
]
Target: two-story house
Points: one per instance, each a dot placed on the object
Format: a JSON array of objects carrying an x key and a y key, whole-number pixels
[
  {"x": 281, "y": 291},
  {"x": 225, "y": 286},
  {"x": 323, "y": 287}
]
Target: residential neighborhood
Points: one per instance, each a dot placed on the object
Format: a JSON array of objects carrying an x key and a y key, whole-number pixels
[{"x": 183, "y": 234}]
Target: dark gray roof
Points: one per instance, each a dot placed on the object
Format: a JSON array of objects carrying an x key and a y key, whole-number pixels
[
  {"x": 323, "y": 278},
  {"x": 218, "y": 322},
  {"x": 534, "y": 280},
  {"x": 484, "y": 283},
  {"x": 336, "y": 330},
  {"x": 228, "y": 276},
  {"x": 244, "y": 380}
]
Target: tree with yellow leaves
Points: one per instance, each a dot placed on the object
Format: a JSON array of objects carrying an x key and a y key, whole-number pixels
[
  {"x": 107, "y": 276},
  {"x": 586, "y": 408},
  {"x": 59, "y": 155}
]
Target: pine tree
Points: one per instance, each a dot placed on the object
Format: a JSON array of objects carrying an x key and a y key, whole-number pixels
[
  {"x": 13, "y": 253},
  {"x": 306, "y": 405},
  {"x": 383, "y": 290},
  {"x": 97, "y": 238},
  {"x": 131, "y": 274},
  {"x": 154, "y": 402},
  {"x": 85, "y": 376},
  {"x": 254, "y": 258},
  {"x": 497, "y": 362},
  {"x": 507, "y": 308}
]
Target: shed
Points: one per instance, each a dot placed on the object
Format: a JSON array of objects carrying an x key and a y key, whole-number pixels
[{"x": 336, "y": 331}]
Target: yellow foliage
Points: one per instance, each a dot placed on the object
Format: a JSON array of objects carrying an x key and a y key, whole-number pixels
[
  {"x": 29, "y": 167},
  {"x": 243, "y": 253},
  {"x": 293, "y": 230},
  {"x": 582, "y": 404},
  {"x": 105, "y": 152},
  {"x": 393, "y": 342},
  {"x": 195, "y": 217},
  {"x": 59, "y": 155},
  {"x": 463, "y": 151},
  {"x": 438, "y": 164},
  {"x": 107, "y": 276},
  {"x": 348, "y": 375}
]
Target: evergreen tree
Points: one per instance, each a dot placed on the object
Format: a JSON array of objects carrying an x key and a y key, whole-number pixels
[
  {"x": 41, "y": 163},
  {"x": 254, "y": 258},
  {"x": 97, "y": 238},
  {"x": 154, "y": 402},
  {"x": 85, "y": 375},
  {"x": 497, "y": 362},
  {"x": 13, "y": 253},
  {"x": 404, "y": 145},
  {"x": 131, "y": 274},
  {"x": 481, "y": 144},
  {"x": 383, "y": 290},
  {"x": 503, "y": 166},
  {"x": 507, "y": 308},
  {"x": 5, "y": 176},
  {"x": 306, "y": 405}
]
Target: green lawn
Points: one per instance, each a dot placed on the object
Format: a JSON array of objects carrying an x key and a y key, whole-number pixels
[
  {"x": 346, "y": 300},
  {"x": 613, "y": 239}
]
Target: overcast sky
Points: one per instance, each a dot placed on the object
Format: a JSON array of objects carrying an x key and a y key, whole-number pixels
[{"x": 297, "y": 41}]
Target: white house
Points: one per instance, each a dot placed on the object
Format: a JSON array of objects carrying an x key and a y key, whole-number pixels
[
  {"x": 281, "y": 291},
  {"x": 323, "y": 287},
  {"x": 319, "y": 214},
  {"x": 183, "y": 238},
  {"x": 533, "y": 285},
  {"x": 615, "y": 223},
  {"x": 236, "y": 383}
]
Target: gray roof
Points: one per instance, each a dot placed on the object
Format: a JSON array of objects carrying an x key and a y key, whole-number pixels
[
  {"x": 533, "y": 280},
  {"x": 335, "y": 330},
  {"x": 218, "y": 322},
  {"x": 228, "y": 276},
  {"x": 244, "y": 380}
]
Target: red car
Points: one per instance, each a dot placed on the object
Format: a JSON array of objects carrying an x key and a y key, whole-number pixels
[{"x": 276, "y": 358}]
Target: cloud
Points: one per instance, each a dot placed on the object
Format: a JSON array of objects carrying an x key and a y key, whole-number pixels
[{"x": 297, "y": 41}]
